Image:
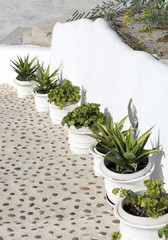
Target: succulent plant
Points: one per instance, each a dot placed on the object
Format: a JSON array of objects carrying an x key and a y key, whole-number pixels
[
  {"x": 85, "y": 115},
  {"x": 127, "y": 154},
  {"x": 45, "y": 81},
  {"x": 24, "y": 68},
  {"x": 63, "y": 93},
  {"x": 105, "y": 134}
]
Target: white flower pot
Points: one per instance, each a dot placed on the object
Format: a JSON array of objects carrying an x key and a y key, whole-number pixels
[
  {"x": 132, "y": 181},
  {"x": 24, "y": 88},
  {"x": 97, "y": 158},
  {"x": 138, "y": 228},
  {"x": 79, "y": 140},
  {"x": 41, "y": 102},
  {"x": 57, "y": 115}
]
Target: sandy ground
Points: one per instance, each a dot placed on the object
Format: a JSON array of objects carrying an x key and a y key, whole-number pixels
[{"x": 16, "y": 13}]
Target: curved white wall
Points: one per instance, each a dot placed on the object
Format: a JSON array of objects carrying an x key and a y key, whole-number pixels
[{"x": 94, "y": 57}]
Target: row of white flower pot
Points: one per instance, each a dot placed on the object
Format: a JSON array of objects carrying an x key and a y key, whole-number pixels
[
  {"x": 131, "y": 227},
  {"x": 81, "y": 143}
]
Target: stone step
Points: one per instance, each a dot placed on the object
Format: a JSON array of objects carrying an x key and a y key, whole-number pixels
[
  {"x": 41, "y": 33},
  {"x": 15, "y": 37}
]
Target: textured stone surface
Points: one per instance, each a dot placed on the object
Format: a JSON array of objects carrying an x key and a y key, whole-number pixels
[
  {"x": 149, "y": 43},
  {"x": 46, "y": 192}
]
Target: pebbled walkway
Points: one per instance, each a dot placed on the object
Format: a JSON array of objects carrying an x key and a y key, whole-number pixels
[{"x": 46, "y": 192}]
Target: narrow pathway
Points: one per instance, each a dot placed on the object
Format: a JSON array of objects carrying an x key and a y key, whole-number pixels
[{"x": 46, "y": 192}]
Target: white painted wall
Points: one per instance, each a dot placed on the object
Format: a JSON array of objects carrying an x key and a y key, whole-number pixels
[
  {"x": 8, "y": 52},
  {"x": 94, "y": 57}
]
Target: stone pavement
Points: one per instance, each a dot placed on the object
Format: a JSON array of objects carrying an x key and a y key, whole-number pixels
[{"x": 46, "y": 192}]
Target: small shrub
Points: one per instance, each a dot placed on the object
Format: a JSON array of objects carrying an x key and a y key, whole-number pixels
[
  {"x": 63, "y": 93},
  {"x": 152, "y": 203},
  {"x": 85, "y": 115},
  {"x": 115, "y": 236}
]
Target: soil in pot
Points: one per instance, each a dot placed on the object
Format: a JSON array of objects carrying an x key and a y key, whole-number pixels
[
  {"x": 112, "y": 166},
  {"x": 100, "y": 149}
]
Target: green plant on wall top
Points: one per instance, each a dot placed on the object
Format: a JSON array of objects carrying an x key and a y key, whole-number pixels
[
  {"x": 128, "y": 155},
  {"x": 152, "y": 203},
  {"x": 24, "y": 68},
  {"x": 153, "y": 14},
  {"x": 85, "y": 115},
  {"x": 65, "y": 92},
  {"x": 45, "y": 81}
]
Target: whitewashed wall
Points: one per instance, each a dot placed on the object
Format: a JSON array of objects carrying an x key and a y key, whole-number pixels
[{"x": 93, "y": 56}]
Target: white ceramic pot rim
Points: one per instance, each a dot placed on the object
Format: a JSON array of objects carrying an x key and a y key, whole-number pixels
[
  {"x": 138, "y": 222},
  {"x": 42, "y": 95},
  {"x": 82, "y": 130},
  {"x": 129, "y": 178},
  {"x": 67, "y": 105},
  {"x": 24, "y": 83},
  {"x": 94, "y": 151}
]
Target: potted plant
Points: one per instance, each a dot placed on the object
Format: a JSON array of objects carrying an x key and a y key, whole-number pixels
[
  {"x": 25, "y": 79},
  {"x": 104, "y": 135},
  {"x": 127, "y": 163},
  {"x": 115, "y": 236},
  {"x": 81, "y": 122},
  {"x": 44, "y": 83},
  {"x": 142, "y": 214},
  {"x": 163, "y": 232},
  {"x": 63, "y": 99}
]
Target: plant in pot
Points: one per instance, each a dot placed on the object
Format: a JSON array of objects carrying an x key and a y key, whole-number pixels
[
  {"x": 115, "y": 236},
  {"x": 81, "y": 122},
  {"x": 127, "y": 163},
  {"x": 25, "y": 79},
  {"x": 63, "y": 99},
  {"x": 44, "y": 83},
  {"x": 163, "y": 232},
  {"x": 142, "y": 213},
  {"x": 104, "y": 135}
]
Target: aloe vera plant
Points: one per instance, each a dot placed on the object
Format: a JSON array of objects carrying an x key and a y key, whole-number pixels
[
  {"x": 63, "y": 93},
  {"x": 24, "y": 68},
  {"x": 127, "y": 154},
  {"x": 105, "y": 134},
  {"x": 46, "y": 81}
]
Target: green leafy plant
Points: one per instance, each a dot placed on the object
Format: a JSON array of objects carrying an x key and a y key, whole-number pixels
[
  {"x": 63, "y": 93},
  {"x": 126, "y": 154},
  {"x": 24, "y": 68},
  {"x": 105, "y": 134},
  {"x": 45, "y": 81},
  {"x": 115, "y": 236},
  {"x": 152, "y": 203},
  {"x": 85, "y": 115},
  {"x": 163, "y": 232}
]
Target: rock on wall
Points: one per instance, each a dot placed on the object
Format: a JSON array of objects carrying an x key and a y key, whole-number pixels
[{"x": 94, "y": 56}]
